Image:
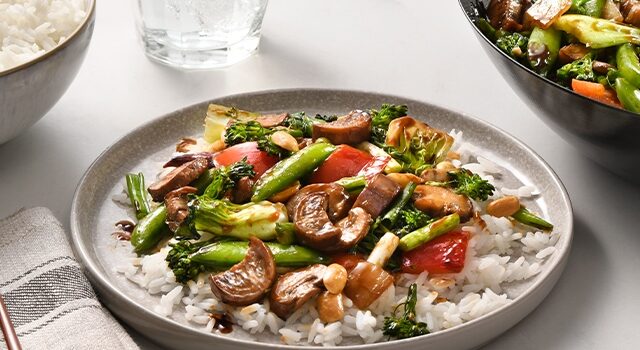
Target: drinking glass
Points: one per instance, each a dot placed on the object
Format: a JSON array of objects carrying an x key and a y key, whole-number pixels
[{"x": 199, "y": 34}]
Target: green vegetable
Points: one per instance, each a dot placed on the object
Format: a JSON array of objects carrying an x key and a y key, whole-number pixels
[
  {"x": 406, "y": 326},
  {"x": 225, "y": 178},
  {"x": 289, "y": 170},
  {"x": 391, "y": 217},
  {"x": 591, "y": 8},
  {"x": 526, "y": 217},
  {"x": 150, "y": 230},
  {"x": 223, "y": 254},
  {"x": 628, "y": 64},
  {"x": 221, "y": 217},
  {"x": 411, "y": 219},
  {"x": 597, "y": 32},
  {"x": 514, "y": 44},
  {"x": 381, "y": 118},
  {"x": 628, "y": 94},
  {"x": 137, "y": 192},
  {"x": 417, "y": 146},
  {"x": 285, "y": 232},
  {"x": 487, "y": 29},
  {"x": 580, "y": 69},
  {"x": 423, "y": 235},
  {"x": 471, "y": 185},
  {"x": 353, "y": 184},
  {"x": 302, "y": 124},
  {"x": 180, "y": 262},
  {"x": 467, "y": 183},
  {"x": 543, "y": 48},
  {"x": 253, "y": 131},
  {"x": 219, "y": 116}
]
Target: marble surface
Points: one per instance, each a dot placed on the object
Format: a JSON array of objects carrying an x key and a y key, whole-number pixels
[{"x": 416, "y": 49}]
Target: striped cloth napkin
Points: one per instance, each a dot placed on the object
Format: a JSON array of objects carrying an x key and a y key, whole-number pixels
[{"x": 50, "y": 301}]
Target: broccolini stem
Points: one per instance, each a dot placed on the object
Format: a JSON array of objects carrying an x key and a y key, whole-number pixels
[
  {"x": 528, "y": 218},
  {"x": 391, "y": 217},
  {"x": 354, "y": 184},
  {"x": 423, "y": 235},
  {"x": 138, "y": 194}
]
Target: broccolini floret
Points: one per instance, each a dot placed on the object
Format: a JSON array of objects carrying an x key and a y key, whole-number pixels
[
  {"x": 471, "y": 185},
  {"x": 580, "y": 69},
  {"x": 381, "y": 118},
  {"x": 240, "y": 132},
  {"x": 514, "y": 44},
  {"x": 225, "y": 178},
  {"x": 405, "y": 326},
  {"x": 178, "y": 260}
]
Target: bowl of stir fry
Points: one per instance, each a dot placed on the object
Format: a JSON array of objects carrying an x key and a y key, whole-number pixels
[
  {"x": 576, "y": 64},
  {"x": 320, "y": 218}
]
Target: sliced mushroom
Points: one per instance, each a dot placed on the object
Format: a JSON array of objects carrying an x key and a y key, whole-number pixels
[
  {"x": 506, "y": 14},
  {"x": 313, "y": 227},
  {"x": 378, "y": 194},
  {"x": 177, "y": 208},
  {"x": 295, "y": 288},
  {"x": 271, "y": 120},
  {"x": 338, "y": 200},
  {"x": 350, "y": 129},
  {"x": 544, "y": 12},
  {"x": 572, "y": 52},
  {"x": 353, "y": 228},
  {"x": 178, "y": 177},
  {"x": 187, "y": 157},
  {"x": 631, "y": 11},
  {"x": 440, "y": 201},
  {"x": 243, "y": 190},
  {"x": 366, "y": 283},
  {"x": 248, "y": 281},
  {"x": 611, "y": 11}
]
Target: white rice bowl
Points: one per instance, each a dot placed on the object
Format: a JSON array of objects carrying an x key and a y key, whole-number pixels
[
  {"x": 502, "y": 256},
  {"x": 29, "y": 28}
]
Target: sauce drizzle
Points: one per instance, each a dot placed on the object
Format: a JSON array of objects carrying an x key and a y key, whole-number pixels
[{"x": 223, "y": 322}]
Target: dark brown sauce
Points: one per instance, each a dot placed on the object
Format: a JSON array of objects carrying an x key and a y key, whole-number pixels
[
  {"x": 223, "y": 322},
  {"x": 124, "y": 229}
]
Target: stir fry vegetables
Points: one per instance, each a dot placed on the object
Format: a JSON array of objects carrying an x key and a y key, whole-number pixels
[
  {"x": 589, "y": 46},
  {"x": 267, "y": 213}
]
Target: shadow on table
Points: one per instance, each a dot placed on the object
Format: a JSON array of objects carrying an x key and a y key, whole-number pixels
[{"x": 583, "y": 284}]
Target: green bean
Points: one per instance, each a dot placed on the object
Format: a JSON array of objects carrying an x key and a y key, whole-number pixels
[
  {"x": 628, "y": 94},
  {"x": 353, "y": 184},
  {"x": 526, "y": 217},
  {"x": 228, "y": 253},
  {"x": 150, "y": 230},
  {"x": 138, "y": 194},
  {"x": 628, "y": 64},
  {"x": 423, "y": 235},
  {"x": 543, "y": 48},
  {"x": 289, "y": 170}
]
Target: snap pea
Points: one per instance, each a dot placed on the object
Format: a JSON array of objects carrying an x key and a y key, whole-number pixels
[
  {"x": 289, "y": 170},
  {"x": 528, "y": 218},
  {"x": 628, "y": 94},
  {"x": 138, "y": 194},
  {"x": 150, "y": 230},
  {"x": 228, "y": 253},
  {"x": 628, "y": 64},
  {"x": 353, "y": 184},
  {"x": 285, "y": 232},
  {"x": 591, "y": 8},
  {"x": 423, "y": 235},
  {"x": 543, "y": 48}
]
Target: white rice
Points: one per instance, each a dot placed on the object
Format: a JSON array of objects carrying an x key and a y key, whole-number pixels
[
  {"x": 29, "y": 28},
  {"x": 500, "y": 254}
]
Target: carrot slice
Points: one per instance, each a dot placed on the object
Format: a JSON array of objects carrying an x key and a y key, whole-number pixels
[{"x": 596, "y": 91}]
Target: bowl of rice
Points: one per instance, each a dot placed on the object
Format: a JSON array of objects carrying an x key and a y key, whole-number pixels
[{"x": 42, "y": 46}]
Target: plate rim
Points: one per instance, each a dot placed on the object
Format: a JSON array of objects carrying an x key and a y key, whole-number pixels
[{"x": 95, "y": 275}]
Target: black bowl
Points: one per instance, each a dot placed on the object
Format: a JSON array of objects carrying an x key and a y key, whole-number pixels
[{"x": 608, "y": 135}]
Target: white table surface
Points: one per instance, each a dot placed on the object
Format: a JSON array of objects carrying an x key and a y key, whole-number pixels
[{"x": 419, "y": 49}]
